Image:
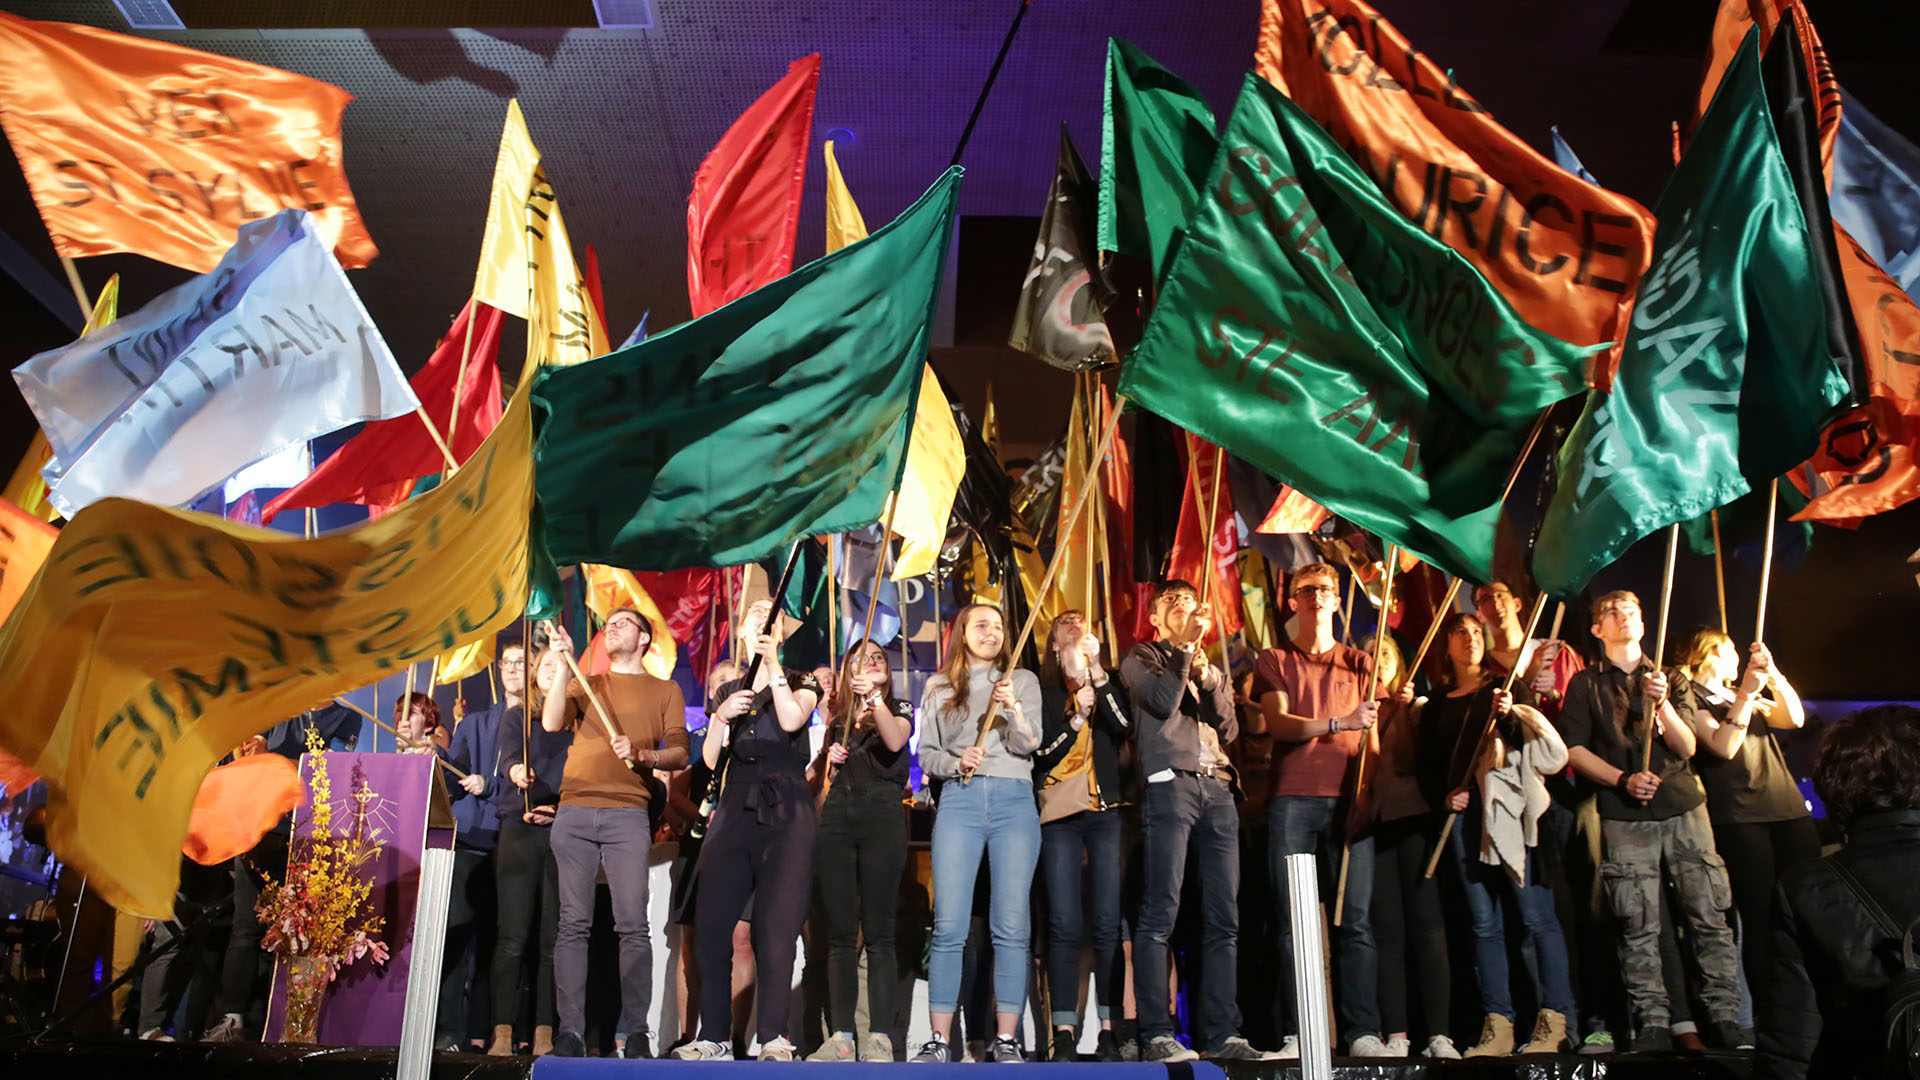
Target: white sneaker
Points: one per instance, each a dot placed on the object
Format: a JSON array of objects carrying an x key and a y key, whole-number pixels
[
  {"x": 1289, "y": 1049},
  {"x": 1370, "y": 1046},
  {"x": 1442, "y": 1048},
  {"x": 704, "y": 1050},
  {"x": 780, "y": 1049},
  {"x": 155, "y": 1035},
  {"x": 228, "y": 1030},
  {"x": 1399, "y": 1046}
]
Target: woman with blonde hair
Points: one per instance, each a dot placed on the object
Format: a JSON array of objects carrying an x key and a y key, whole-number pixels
[
  {"x": 985, "y": 807},
  {"x": 1761, "y": 825},
  {"x": 1406, "y": 902}
]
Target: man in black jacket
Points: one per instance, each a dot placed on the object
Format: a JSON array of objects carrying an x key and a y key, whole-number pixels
[
  {"x": 1838, "y": 921},
  {"x": 1184, "y": 718}
]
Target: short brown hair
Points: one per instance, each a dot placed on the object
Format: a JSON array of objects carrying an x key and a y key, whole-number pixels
[
  {"x": 1869, "y": 763},
  {"x": 1311, "y": 570},
  {"x": 1600, "y": 602},
  {"x": 1168, "y": 588}
]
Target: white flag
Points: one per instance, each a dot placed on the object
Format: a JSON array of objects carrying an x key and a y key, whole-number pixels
[{"x": 269, "y": 349}]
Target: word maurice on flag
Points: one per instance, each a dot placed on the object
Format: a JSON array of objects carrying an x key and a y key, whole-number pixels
[
  {"x": 155, "y": 640},
  {"x": 270, "y": 349},
  {"x": 144, "y": 146}
]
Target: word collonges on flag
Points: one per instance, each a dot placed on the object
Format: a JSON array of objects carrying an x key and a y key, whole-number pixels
[
  {"x": 1307, "y": 327},
  {"x": 131, "y": 144},
  {"x": 155, "y": 640},
  {"x": 270, "y": 349}
]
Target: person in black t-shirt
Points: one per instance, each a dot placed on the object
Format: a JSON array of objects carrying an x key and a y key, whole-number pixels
[
  {"x": 1650, "y": 816},
  {"x": 862, "y": 851}
]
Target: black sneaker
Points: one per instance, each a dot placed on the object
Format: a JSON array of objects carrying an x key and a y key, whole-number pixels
[
  {"x": 445, "y": 1042},
  {"x": 932, "y": 1052},
  {"x": 1005, "y": 1052},
  {"x": 637, "y": 1047},
  {"x": 1727, "y": 1035},
  {"x": 1658, "y": 1040},
  {"x": 569, "y": 1044},
  {"x": 1065, "y": 1046},
  {"x": 1106, "y": 1048}
]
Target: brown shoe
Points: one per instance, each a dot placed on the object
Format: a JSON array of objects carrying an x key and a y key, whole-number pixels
[
  {"x": 502, "y": 1040},
  {"x": 543, "y": 1040},
  {"x": 1689, "y": 1042},
  {"x": 1496, "y": 1038},
  {"x": 1549, "y": 1034}
]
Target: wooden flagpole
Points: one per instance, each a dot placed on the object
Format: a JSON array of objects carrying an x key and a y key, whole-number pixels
[
  {"x": 599, "y": 709},
  {"x": 1366, "y": 737},
  {"x": 1766, "y": 570},
  {"x": 1346, "y": 609},
  {"x": 460, "y": 380},
  {"x": 1433, "y": 628},
  {"x": 1053, "y": 567},
  {"x": 1660, "y": 642},
  {"x": 1719, "y": 566},
  {"x": 880, "y": 561},
  {"x": 833, "y": 603},
  {"x": 1480, "y": 744},
  {"x": 79, "y": 290}
]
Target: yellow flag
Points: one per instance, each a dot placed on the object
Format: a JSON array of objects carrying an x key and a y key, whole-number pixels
[
  {"x": 502, "y": 278},
  {"x": 990, "y": 425},
  {"x": 1073, "y": 583},
  {"x": 935, "y": 457},
  {"x": 154, "y": 640},
  {"x": 844, "y": 223},
  {"x": 464, "y": 660},
  {"x": 563, "y": 328},
  {"x": 27, "y": 489},
  {"x": 609, "y": 587}
]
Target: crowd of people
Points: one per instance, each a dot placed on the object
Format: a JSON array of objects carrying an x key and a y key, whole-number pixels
[{"x": 1609, "y": 855}]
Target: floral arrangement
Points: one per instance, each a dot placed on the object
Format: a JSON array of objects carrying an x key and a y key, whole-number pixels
[{"x": 320, "y": 910}]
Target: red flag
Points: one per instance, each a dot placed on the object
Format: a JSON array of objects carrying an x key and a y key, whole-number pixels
[
  {"x": 378, "y": 466},
  {"x": 1293, "y": 512},
  {"x": 1189, "y": 560},
  {"x": 745, "y": 208}
]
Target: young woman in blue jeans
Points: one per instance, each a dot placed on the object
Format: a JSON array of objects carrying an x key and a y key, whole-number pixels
[
  {"x": 1500, "y": 795},
  {"x": 993, "y": 813}
]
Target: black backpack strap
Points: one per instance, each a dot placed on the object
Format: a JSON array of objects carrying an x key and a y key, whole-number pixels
[{"x": 1873, "y": 905}]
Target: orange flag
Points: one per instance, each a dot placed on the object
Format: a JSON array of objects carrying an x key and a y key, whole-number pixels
[
  {"x": 1293, "y": 512},
  {"x": 1564, "y": 252},
  {"x": 24, "y": 543},
  {"x": 744, "y": 211},
  {"x": 144, "y": 146},
  {"x": 1730, "y": 26},
  {"x": 237, "y": 803}
]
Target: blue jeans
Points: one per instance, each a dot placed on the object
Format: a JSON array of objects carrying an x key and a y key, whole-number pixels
[
  {"x": 1489, "y": 890},
  {"x": 1094, "y": 835},
  {"x": 993, "y": 815},
  {"x": 1311, "y": 825}
]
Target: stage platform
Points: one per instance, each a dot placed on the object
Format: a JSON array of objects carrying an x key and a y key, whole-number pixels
[{"x": 129, "y": 1060}]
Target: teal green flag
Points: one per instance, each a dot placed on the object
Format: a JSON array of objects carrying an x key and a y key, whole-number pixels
[
  {"x": 1307, "y": 327},
  {"x": 783, "y": 414},
  {"x": 1726, "y": 376},
  {"x": 1156, "y": 145}
]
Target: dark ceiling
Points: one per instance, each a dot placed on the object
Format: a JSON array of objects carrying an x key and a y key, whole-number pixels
[{"x": 623, "y": 118}]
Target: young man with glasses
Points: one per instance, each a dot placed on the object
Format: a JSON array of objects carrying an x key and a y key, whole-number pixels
[
  {"x": 1650, "y": 816},
  {"x": 1184, "y": 715},
  {"x": 602, "y": 822},
  {"x": 1312, "y": 694}
]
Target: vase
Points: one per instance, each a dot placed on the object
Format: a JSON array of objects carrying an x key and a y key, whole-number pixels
[{"x": 307, "y": 980}]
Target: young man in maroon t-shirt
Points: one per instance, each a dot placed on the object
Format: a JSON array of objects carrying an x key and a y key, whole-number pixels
[{"x": 1310, "y": 691}]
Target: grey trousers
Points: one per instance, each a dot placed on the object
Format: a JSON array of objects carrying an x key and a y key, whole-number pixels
[
  {"x": 1635, "y": 851},
  {"x": 586, "y": 840}
]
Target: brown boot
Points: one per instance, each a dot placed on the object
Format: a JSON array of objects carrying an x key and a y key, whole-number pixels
[
  {"x": 1496, "y": 1038},
  {"x": 1549, "y": 1034},
  {"x": 502, "y": 1044},
  {"x": 543, "y": 1040}
]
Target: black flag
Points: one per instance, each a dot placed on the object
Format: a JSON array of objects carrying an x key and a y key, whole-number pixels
[{"x": 1061, "y": 315}]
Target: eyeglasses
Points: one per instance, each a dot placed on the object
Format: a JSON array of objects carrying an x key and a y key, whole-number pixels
[
  {"x": 628, "y": 623},
  {"x": 1316, "y": 590},
  {"x": 513, "y": 665}
]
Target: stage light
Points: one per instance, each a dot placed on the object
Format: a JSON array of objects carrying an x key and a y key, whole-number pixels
[
  {"x": 149, "y": 14},
  {"x": 624, "y": 14}
]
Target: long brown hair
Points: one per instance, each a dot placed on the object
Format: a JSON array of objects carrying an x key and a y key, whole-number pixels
[
  {"x": 958, "y": 657},
  {"x": 1445, "y": 676},
  {"x": 844, "y": 700}
]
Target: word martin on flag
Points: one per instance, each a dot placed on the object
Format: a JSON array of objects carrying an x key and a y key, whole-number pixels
[
  {"x": 131, "y": 144},
  {"x": 270, "y": 349}
]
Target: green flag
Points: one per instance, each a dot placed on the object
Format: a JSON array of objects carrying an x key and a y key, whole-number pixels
[
  {"x": 782, "y": 414},
  {"x": 1307, "y": 327},
  {"x": 1726, "y": 376},
  {"x": 1156, "y": 145}
]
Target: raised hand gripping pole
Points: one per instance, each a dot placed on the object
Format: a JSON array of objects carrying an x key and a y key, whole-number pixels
[
  {"x": 600, "y": 710},
  {"x": 1053, "y": 567}
]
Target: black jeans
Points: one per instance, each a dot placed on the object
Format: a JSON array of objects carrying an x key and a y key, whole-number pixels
[
  {"x": 1408, "y": 919},
  {"x": 858, "y": 859},
  {"x": 761, "y": 849},
  {"x": 1189, "y": 816},
  {"x": 1757, "y": 856},
  {"x": 1092, "y": 836},
  {"x": 469, "y": 946},
  {"x": 240, "y": 973},
  {"x": 527, "y": 893}
]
